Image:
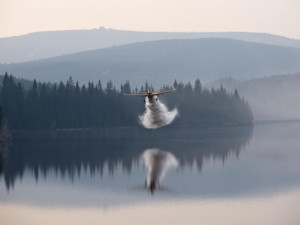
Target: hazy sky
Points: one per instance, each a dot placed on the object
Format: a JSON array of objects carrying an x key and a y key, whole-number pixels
[{"x": 280, "y": 17}]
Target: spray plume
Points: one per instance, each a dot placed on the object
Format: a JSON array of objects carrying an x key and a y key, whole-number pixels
[{"x": 156, "y": 115}]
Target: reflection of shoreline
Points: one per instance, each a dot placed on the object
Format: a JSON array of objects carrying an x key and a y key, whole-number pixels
[
  {"x": 5, "y": 141},
  {"x": 69, "y": 152}
]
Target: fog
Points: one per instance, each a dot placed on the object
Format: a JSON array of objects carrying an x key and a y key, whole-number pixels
[{"x": 271, "y": 98}]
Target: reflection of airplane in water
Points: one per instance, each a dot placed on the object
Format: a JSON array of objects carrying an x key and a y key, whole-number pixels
[
  {"x": 152, "y": 96},
  {"x": 157, "y": 163}
]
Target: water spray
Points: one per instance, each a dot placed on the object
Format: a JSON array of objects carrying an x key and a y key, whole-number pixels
[{"x": 156, "y": 115}]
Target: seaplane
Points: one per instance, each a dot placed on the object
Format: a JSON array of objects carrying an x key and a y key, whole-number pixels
[{"x": 152, "y": 96}]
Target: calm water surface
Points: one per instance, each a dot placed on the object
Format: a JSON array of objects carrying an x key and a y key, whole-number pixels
[{"x": 232, "y": 175}]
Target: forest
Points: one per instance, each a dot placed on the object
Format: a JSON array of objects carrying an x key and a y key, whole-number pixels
[{"x": 68, "y": 105}]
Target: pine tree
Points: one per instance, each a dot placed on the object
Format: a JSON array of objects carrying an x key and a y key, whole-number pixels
[{"x": 198, "y": 86}]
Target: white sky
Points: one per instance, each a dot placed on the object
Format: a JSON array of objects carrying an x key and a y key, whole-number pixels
[{"x": 280, "y": 17}]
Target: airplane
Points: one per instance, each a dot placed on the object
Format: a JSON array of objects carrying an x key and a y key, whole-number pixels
[{"x": 152, "y": 96}]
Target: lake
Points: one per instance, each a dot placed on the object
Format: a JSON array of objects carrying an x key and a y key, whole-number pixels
[{"x": 225, "y": 175}]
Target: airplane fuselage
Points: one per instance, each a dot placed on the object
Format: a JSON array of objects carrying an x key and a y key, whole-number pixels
[{"x": 151, "y": 98}]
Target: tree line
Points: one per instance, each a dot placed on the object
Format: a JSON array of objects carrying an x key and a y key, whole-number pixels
[{"x": 67, "y": 105}]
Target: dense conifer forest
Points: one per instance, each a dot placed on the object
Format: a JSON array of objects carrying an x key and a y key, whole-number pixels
[{"x": 70, "y": 105}]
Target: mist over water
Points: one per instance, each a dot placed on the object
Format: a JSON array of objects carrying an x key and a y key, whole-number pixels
[{"x": 157, "y": 115}]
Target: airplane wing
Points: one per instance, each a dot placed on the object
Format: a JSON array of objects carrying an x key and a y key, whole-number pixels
[
  {"x": 136, "y": 95},
  {"x": 163, "y": 92}
]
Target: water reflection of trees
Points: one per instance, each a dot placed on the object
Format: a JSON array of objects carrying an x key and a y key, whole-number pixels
[{"x": 69, "y": 152}]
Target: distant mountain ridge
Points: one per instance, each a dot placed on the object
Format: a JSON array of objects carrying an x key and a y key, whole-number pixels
[
  {"x": 161, "y": 62},
  {"x": 40, "y": 45}
]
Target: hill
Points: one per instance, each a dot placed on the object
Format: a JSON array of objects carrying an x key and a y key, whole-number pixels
[
  {"x": 271, "y": 98},
  {"x": 40, "y": 45},
  {"x": 160, "y": 62}
]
